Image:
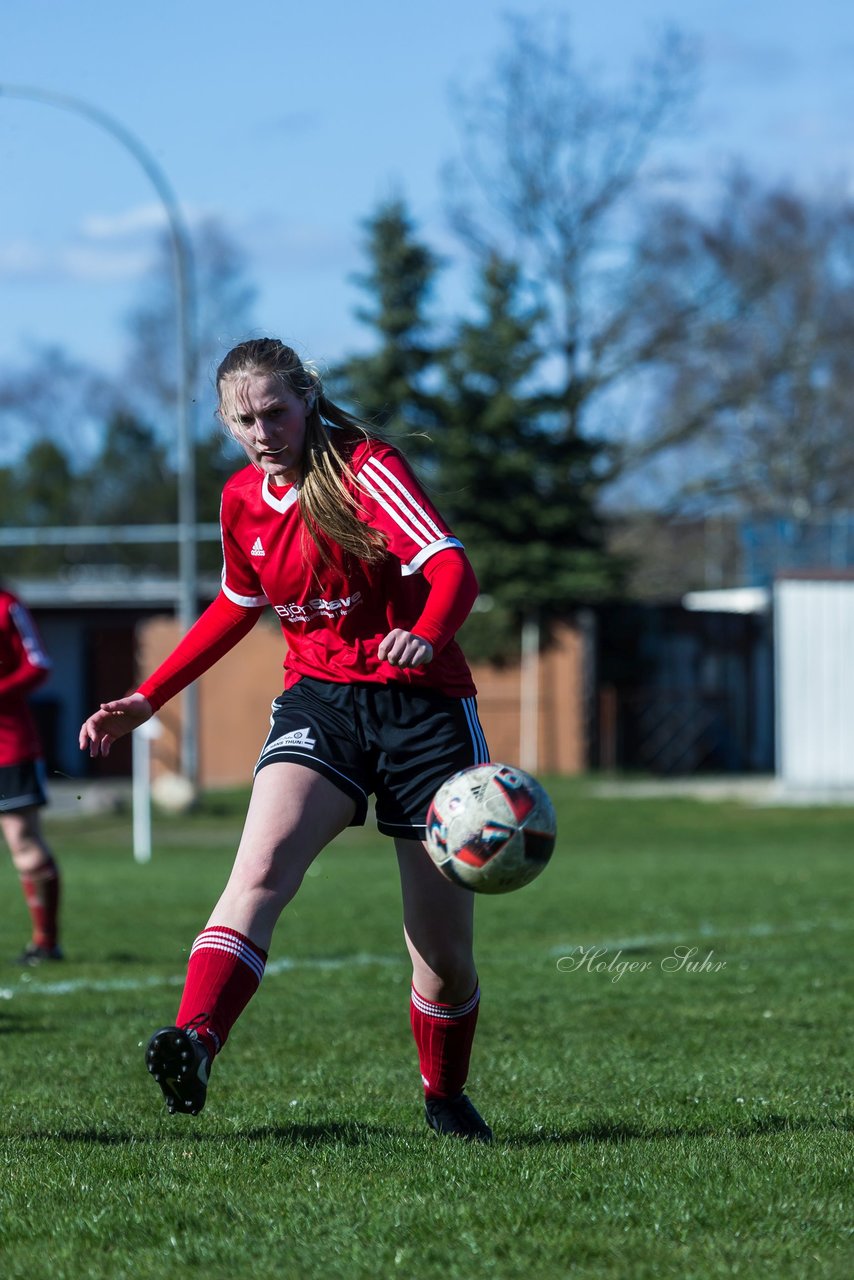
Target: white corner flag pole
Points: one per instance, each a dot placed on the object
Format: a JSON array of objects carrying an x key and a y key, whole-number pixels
[{"x": 141, "y": 741}]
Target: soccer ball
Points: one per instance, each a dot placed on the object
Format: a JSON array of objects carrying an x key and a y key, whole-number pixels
[{"x": 491, "y": 828}]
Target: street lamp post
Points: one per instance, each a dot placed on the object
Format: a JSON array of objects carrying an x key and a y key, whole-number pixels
[{"x": 184, "y": 295}]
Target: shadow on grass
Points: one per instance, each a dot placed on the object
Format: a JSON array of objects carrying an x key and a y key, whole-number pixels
[
  {"x": 353, "y": 1134},
  {"x": 348, "y": 1133},
  {"x": 618, "y": 1132},
  {"x": 14, "y": 1022}
]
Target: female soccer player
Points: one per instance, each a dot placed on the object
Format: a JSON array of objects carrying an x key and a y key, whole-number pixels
[
  {"x": 329, "y": 526},
  {"x": 24, "y": 665}
]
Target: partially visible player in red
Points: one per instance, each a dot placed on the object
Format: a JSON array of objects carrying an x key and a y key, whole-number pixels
[
  {"x": 24, "y": 665},
  {"x": 329, "y": 526}
]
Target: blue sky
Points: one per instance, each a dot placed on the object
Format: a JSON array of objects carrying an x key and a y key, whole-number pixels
[{"x": 292, "y": 123}]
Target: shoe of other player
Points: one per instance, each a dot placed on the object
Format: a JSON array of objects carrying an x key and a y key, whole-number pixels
[
  {"x": 33, "y": 954},
  {"x": 180, "y": 1064},
  {"x": 457, "y": 1118}
]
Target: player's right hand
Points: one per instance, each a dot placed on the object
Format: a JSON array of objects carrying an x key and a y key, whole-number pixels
[{"x": 113, "y": 720}]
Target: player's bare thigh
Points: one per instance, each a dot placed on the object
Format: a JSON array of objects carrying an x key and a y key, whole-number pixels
[
  {"x": 293, "y": 814},
  {"x": 438, "y": 922}
]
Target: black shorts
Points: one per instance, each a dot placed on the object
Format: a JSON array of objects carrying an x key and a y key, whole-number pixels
[
  {"x": 393, "y": 741},
  {"x": 22, "y": 786}
]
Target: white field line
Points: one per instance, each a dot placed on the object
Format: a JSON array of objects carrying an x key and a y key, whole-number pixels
[
  {"x": 705, "y": 933},
  {"x": 26, "y": 986}
]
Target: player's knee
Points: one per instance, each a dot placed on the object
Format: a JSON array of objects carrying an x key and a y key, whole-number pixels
[
  {"x": 270, "y": 889},
  {"x": 449, "y": 971},
  {"x": 31, "y": 858}
]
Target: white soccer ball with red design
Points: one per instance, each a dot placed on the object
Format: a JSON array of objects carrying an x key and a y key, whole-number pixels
[{"x": 491, "y": 828}]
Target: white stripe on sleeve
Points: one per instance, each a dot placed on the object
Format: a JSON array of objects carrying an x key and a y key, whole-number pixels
[
  {"x": 30, "y": 638},
  {"x": 399, "y": 503},
  {"x": 246, "y": 602},
  {"x": 425, "y": 553}
]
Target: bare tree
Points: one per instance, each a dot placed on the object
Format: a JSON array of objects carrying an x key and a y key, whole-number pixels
[
  {"x": 755, "y": 384},
  {"x": 224, "y": 297},
  {"x": 551, "y": 175},
  {"x": 53, "y": 397}
]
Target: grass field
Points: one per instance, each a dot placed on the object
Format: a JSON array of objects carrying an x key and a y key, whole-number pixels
[{"x": 651, "y": 1121}]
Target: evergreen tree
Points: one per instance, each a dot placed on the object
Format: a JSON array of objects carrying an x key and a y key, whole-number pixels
[
  {"x": 131, "y": 482},
  {"x": 390, "y": 386},
  {"x": 11, "y": 503},
  {"x": 520, "y": 493},
  {"x": 45, "y": 494},
  {"x": 217, "y": 458}
]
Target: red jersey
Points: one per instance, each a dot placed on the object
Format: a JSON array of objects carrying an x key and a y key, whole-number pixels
[
  {"x": 23, "y": 666},
  {"x": 334, "y": 616}
]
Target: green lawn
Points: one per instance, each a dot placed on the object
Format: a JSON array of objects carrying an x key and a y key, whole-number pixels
[{"x": 651, "y": 1119}]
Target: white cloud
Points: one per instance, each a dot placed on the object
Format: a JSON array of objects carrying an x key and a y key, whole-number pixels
[
  {"x": 21, "y": 259},
  {"x": 98, "y": 265},
  {"x": 102, "y": 226},
  {"x": 103, "y": 248},
  {"x": 26, "y": 260}
]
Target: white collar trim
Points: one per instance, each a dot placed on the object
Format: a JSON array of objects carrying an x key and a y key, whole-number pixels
[{"x": 278, "y": 504}]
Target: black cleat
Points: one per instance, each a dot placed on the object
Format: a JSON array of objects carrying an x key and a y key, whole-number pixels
[
  {"x": 180, "y": 1064},
  {"x": 33, "y": 954},
  {"x": 457, "y": 1118}
]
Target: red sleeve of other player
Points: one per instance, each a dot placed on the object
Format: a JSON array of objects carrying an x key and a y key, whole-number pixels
[{"x": 26, "y": 664}]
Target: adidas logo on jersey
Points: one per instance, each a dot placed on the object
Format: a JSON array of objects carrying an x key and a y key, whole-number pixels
[{"x": 257, "y": 548}]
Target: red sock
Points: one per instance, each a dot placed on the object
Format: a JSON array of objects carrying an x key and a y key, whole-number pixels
[
  {"x": 41, "y": 891},
  {"x": 444, "y": 1035},
  {"x": 223, "y": 974}
]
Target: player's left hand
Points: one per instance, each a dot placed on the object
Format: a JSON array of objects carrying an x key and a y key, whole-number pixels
[{"x": 403, "y": 649}]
